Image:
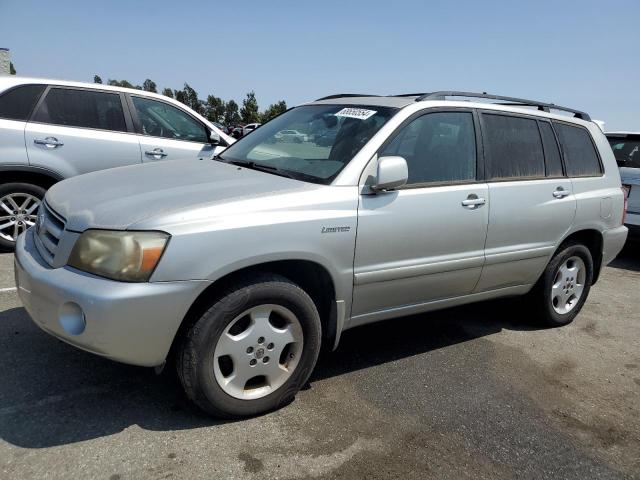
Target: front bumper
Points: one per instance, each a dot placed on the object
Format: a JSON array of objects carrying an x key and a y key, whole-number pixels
[{"x": 133, "y": 323}]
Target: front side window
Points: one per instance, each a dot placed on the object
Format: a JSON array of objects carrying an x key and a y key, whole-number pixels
[
  {"x": 626, "y": 151},
  {"x": 438, "y": 147},
  {"x": 513, "y": 147},
  {"x": 82, "y": 108},
  {"x": 159, "y": 119},
  {"x": 17, "y": 103},
  {"x": 311, "y": 143},
  {"x": 580, "y": 155}
]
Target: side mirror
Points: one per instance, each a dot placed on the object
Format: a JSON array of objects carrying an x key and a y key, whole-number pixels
[
  {"x": 214, "y": 137},
  {"x": 392, "y": 173}
]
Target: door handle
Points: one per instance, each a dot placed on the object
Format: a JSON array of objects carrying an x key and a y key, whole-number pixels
[
  {"x": 156, "y": 152},
  {"x": 49, "y": 142},
  {"x": 473, "y": 201},
  {"x": 561, "y": 193}
]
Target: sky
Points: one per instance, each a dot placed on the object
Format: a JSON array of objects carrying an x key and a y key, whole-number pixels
[{"x": 576, "y": 53}]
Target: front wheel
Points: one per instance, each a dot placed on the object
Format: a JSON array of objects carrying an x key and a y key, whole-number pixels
[
  {"x": 252, "y": 350},
  {"x": 19, "y": 203},
  {"x": 564, "y": 286}
]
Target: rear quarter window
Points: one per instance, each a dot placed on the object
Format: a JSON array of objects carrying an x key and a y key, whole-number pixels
[
  {"x": 580, "y": 156},
  {"x": 17, "y": 103}
]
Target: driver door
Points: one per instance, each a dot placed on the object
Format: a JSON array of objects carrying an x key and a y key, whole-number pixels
[{"x": 169, "y": 133}]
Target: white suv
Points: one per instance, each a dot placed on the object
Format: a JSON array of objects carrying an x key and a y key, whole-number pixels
[{"x": 51, "y": 130}]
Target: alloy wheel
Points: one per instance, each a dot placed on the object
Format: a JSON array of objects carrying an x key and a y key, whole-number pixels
[
  {"x": 18, "y": 211},
  {"x": 568, "y": 285}
]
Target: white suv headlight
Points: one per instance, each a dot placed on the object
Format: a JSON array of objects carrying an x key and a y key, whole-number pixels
[{"x": 118, "y": 255}]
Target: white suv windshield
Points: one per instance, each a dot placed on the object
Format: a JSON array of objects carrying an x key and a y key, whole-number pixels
[{"x": 311, "y": 143}]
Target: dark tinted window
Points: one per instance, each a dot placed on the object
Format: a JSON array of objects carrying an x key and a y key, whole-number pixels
[
  {"x": 513, "y": 147},
  {"x": 82, "y": 108},
  {"x": 160, "y": 119},
  {"x": 626, "y": 151},
  {"x": 438, "y": 147},
  {"x": 16, "y": 104},
  {"x": 551, "y": 152},
  {"x": 580, "y": 155}
]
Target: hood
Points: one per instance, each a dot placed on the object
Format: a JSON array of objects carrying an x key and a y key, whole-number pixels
[
  {"x": 630, "y": 176},
  {"x": 120, "y": 197}
]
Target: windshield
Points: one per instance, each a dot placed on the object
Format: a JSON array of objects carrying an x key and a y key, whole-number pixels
[
  {"x": 311, "y": 143},
  {"x": 626, "y": 151}
]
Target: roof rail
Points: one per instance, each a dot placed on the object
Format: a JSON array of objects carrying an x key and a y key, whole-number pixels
[
  {"x": 409, "y": 94},
  {"x": 345, "y": 95},
  {"x": 545, "y": 107}
]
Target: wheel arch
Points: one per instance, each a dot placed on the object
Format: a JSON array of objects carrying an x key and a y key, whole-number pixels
[
  {"x": 312, "y": 277},
  {"x": 42, "y": 177},
  {"x": 593, "y": 240}
]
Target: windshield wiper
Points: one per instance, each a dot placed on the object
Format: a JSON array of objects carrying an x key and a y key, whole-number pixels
[{"x": 260, "y": 167}]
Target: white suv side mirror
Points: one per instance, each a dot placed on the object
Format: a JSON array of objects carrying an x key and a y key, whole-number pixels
[{"x": 392, "y": 173}]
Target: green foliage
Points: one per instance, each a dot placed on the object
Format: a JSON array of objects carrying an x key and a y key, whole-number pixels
[
  {"x": 274, "y": 110},
  {"x": 189, "y": 97},
  {"x": 123, "y": 83},
  {"x": 12, "y": 69},
  {"x": 231, "y": 115},
  {"x": 214, "y": 109},
  {"x": 249, "y": 111},
  {"x": 149, "y": 86},
  {"x": 167, "y": 92},
  {"x": 97, "y": 79}
]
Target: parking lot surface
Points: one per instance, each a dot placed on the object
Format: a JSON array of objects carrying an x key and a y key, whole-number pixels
[{"x": 473, "y": 392}]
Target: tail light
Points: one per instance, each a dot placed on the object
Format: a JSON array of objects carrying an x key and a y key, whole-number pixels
[{"x": 626, "y": 190}]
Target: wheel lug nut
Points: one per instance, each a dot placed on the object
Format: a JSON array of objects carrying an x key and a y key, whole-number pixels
[
  {"x": 253, "y": 362},
  {"x": 250, "y": 350},
  {"x": 265, "y": 359},
  {"x": 261, "y": 340},
  {"x": 291, "y": 355},
  {"x": 270, "y": 346},
  {"x": 13, "y": 219}
]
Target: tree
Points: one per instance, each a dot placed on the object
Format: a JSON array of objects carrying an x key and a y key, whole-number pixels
[
  {"x": 123, "y": 83},
  {"x": 167, "y": 92},
  {"x": 149, "y": 86},
  {"x": 12, "y": 70},
  {"x": 274, "y": 110},
  {"x": 231, "y": 115},
  {"x": 214, "y": 109},
  {"x": 249, "y": 111},
  {"x": 97, "y": 79},
  {"x": 189, "y": 97}
]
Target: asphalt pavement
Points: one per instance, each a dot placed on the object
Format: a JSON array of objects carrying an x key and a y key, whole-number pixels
[{"x": 473, "y": 392}]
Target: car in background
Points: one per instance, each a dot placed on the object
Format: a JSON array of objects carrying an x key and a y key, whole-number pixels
[
  {"x": 247, "y": 129},
  {"x": 626, "y": 149},
  {"x": 51, "y": 130},
  {"x": 293, "y": 136}
]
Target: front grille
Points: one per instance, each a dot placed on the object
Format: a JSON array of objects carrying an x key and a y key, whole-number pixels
[{"x": 49, "y": 228}]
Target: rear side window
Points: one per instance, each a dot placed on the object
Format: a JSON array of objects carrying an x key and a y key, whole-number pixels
[
  {"x": 438, "y": 147},
  {"x": 17, "y": 103},
  {"x": 551, "y": 152},
  {"x": 626, "y": 151},
  {"x": 82, "y": 108},
  {"x": 580, "y": 156},
  {"x": 513, "y": 147}
]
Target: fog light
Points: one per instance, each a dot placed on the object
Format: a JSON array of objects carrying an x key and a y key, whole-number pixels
[{"x": 71, "y": 318}]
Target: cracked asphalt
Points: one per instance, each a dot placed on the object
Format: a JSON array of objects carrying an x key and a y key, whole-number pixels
[{"x": 473, "y": 392}]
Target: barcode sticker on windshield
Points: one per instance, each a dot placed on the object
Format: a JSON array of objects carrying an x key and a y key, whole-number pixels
[{"x": 359, "y": 113}]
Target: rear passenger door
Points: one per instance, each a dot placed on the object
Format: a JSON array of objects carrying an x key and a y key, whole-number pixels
[
  {"x": 75, "y": 130},
  {"x": 532, "y": 203},
  {"x": 168, "y": 132}
]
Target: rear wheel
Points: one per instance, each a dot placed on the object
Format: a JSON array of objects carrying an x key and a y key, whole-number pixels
[
  {"x": 252, "y": 350},
  {"x": 19, "y": 203},
  {"x": 564, "y": 286}
]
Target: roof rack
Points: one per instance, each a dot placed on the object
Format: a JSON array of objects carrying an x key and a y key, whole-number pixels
[
  {"x": 545, "y": 107},
  {"x": 345, "y": 95}
]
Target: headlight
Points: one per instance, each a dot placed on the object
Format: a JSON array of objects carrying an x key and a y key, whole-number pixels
[{"x": 119, "y": 255}]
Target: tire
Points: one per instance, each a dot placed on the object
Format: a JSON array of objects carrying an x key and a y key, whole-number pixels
[
  {"x": 559, "y": 295},
  {"x": 18, "y": 193},
  {"x": 218, "y": 382}
]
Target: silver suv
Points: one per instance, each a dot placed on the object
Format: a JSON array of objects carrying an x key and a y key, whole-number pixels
[
  {"x": 240, "y": 268},
  {"x": 51, "y": 130}
]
